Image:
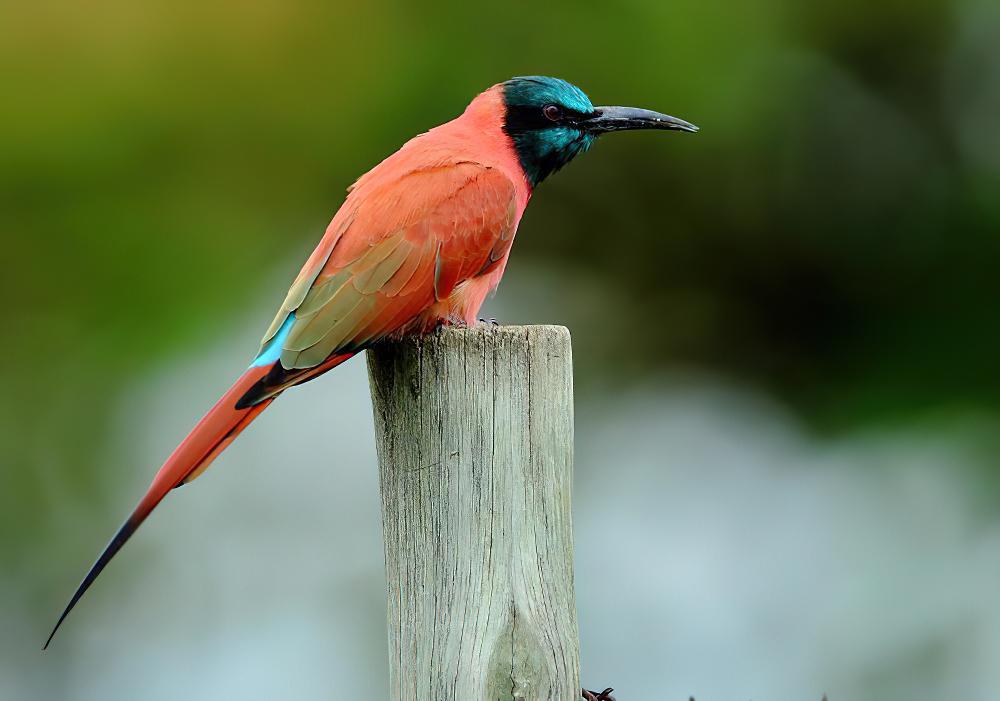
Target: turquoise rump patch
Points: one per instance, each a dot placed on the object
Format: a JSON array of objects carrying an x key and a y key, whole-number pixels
[{"x": 272, "y": 351}]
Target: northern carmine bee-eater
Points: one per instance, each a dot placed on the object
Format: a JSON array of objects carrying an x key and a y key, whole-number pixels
[{"x": 420, "y": 241}]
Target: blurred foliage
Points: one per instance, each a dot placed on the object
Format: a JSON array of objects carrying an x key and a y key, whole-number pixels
[{"x": 830, "y": 235}]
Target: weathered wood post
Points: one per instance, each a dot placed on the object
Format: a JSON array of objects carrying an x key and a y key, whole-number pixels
[{"x": 474, "y": 429}]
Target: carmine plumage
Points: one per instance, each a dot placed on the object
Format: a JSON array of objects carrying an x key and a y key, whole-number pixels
[{"x": 420, "y": 241}]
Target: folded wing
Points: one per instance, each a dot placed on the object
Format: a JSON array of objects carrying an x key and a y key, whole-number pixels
[{"x": 392, "y": 252}]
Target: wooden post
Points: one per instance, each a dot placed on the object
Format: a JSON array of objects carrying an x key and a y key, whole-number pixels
[{"x": 474, "y": 429}]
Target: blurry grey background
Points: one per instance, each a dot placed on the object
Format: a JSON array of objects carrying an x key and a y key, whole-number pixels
[{"x": 784, "y": 331}]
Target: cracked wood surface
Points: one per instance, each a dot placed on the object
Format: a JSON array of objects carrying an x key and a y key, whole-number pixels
[{"x": 474, "y": 430}]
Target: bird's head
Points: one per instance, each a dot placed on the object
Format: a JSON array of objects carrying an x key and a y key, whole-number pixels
[{"x": 550, "y": 121}]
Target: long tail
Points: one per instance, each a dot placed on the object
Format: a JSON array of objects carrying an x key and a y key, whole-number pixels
[{"x": 211, "y": 436}]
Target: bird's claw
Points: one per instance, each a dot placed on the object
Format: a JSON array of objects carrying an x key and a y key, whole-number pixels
[
  {"x": 491, "y": 321},
  {"x": 598, "y": 695}
]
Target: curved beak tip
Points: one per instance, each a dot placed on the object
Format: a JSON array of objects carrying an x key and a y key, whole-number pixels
[{"x": 665, "y": 121}]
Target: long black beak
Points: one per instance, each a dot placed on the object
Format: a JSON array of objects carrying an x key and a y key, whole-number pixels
[{"x": 607, "y": 119}]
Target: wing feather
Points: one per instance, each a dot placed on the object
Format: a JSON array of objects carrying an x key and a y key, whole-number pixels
[
  {"x": 405, "y": 245},
  {"x": 375, "y": 278},
  {"x": 397, "y": 283}
]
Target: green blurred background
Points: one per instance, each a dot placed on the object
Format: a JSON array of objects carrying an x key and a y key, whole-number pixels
[{"x": 784, "y": 329}]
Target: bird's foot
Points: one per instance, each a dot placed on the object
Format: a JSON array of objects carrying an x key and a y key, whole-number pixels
[
  {"x": 598, "y": 695},
  {"x": 491, "y": 321}
]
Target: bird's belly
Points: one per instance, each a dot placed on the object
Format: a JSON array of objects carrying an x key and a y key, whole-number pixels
[{"x": 462, "y": 306}]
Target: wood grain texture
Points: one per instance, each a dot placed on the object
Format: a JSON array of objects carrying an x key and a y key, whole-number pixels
[{"x": 474, "y": 429}]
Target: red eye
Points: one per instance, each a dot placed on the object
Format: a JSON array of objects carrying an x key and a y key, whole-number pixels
[{"x": 552, "y": 113}]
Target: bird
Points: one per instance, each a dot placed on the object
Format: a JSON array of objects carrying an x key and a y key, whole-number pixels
[{"x": 419, "y": 242}]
